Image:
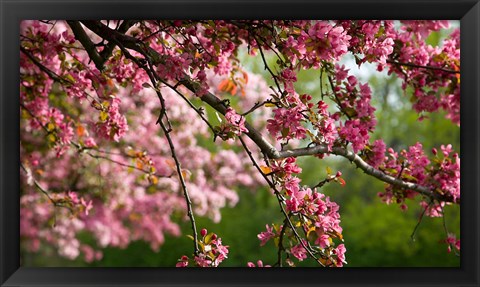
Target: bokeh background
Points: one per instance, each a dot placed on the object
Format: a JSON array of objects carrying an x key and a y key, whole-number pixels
[{"x": 375, "y": 234}]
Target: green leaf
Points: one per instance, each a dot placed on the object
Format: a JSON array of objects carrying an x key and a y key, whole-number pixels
[
  {"x": 103, "y": 116},
  {"x": 285, "y": 132},
  {"x": 351, "y": 112},
  {"x": 329, "y": 170},
  {"x": 70, "y": 78},
  {"x": 409, "y": 177},
  {"x": 208, "y": 238}
]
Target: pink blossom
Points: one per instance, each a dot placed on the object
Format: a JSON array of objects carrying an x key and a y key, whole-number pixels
[
  {"x": 356, "y": 132},
  {"x": 266, "y": 235},
  {"x": 236, "y": 122},
  {"x": 452, "y": 241},
  {"x": 378, "y": 157},
  {"x": 323, "y": 241},
  {"x": 340, "y": 252},
  {"x": 259, "y": 264},
  {"x": 286, "y": 124},
  {"x": 299, "y": 252}
]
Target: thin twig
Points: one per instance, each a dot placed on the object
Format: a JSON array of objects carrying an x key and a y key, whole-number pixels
[
  {"x": 412, "y": 236},
  {"x": 42, "y": 67},
  {"x": 423, "y": 67},
  {"x": 280, "y": 244},
  {"x": 184, "y": 186}
]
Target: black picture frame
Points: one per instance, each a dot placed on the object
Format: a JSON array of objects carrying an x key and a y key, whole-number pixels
[{"x": 12, "y": 11}]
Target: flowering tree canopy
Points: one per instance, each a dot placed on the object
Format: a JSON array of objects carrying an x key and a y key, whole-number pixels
[{"x": 113, "y": 114}]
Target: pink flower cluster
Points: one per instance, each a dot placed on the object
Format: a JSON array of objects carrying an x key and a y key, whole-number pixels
[
  {"x": 114, "y": 126},
  {"x": 326, "y": 125},
  {"x": 377, "y": 156},
  {"x": 374, "y": 39},
  {"x": 266, "y": 235},
  {"x": 329, "y": 42},
  {"x": 321, "y": 216},
  {"x": 286, "y": 124},
  {"x": 212, "y": 252},
  {"x": 452, "y": 241},
  {"x": 441, "y": 174},
  {"x": 236, "y": 122},
  {"x": 437, "y": 87}
]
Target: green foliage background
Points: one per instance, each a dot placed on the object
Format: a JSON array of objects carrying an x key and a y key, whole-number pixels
[{"x": 375, "y": 234}]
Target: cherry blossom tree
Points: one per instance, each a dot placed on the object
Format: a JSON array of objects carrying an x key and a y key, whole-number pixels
[{"x": 113, "y": 114}]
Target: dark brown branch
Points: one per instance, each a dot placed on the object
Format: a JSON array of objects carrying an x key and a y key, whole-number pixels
[
  {"x": 423, "y": 67},
  {"x": 414, "y": 232},
  {"x": 47, "y": 71},
  {"x": 281, "y": 249},
  {"x": 105, "y": 54},
  {"x": 81, "y": 36},
  {"x": 197, "y": 110}
]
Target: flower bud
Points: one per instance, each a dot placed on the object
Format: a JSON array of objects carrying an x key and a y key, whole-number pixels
[{"x": 203, "y": 232}]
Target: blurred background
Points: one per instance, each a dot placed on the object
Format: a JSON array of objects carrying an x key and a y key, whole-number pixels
[{"x": 375, "y": 234}]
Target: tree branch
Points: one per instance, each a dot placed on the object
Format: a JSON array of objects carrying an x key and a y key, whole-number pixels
[
  {"x": 423, "y": 67},
  {"x": 184, "y": 186},
  {"x": 54, "y": 76},
  {"x": 81, "y": 36},
  {"x": 267, "y": 149}
]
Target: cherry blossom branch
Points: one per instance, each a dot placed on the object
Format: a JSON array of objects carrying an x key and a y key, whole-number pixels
[
  {"x": 258, "y": 105},
  {"x": 444, "y": 223},
  {"x": 360, "y": 163},
  {"x": 269, "y": 150},
  {"x": 81, "y": 148},
  {"x": 280, "y": 200}
]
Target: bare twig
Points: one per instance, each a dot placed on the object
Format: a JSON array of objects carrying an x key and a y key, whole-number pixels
[
  {"x": 423, "y": 67},
  {"x": 184, "y": 186},
  {"x": 412, "y": 236}
]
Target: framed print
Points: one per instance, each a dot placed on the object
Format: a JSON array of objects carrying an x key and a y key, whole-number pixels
[{"x": 143, "y": 141}]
